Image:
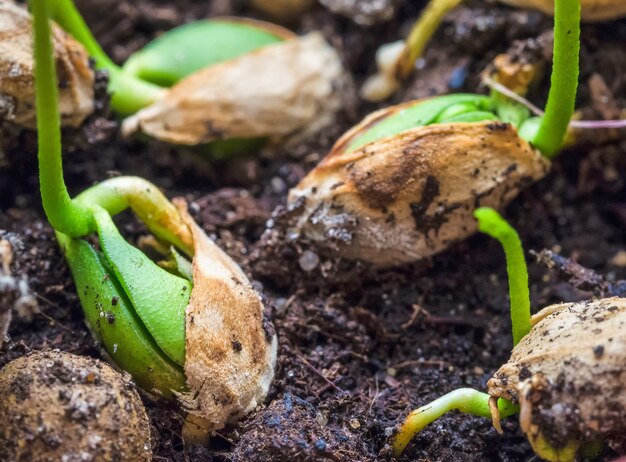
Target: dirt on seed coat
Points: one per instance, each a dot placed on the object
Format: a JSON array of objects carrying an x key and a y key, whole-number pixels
[
  {"x": 407, "y": 197},
  {"x": 568, "y": 373}
]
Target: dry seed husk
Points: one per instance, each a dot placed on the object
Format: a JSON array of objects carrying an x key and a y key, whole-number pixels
[
  {"x": 568, "y": 373},
  {"x": 591, "y": 10},
  {"x": 59, "y": 406},
  {"x": 230, "y": 346},
  {"x": 282, "y": 90},
  {"x": 17, "y": 80},
  {"x": 409, "y": 196}
]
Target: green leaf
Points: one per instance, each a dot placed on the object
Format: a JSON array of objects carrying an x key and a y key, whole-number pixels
[
  {"x": 158, "y": 297},
  {"x": 423, "y": 112},
  {"x": 194, "y": 46},
  {"x": 509, "y": 110},
  {"x": 183, "y": 266},
  {"x": 472, "y": 116},
  {"x": 457, "y": 109},
  {"x": 112, "y": 320}
]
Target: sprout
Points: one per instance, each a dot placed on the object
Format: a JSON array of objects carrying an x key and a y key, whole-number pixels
[
  {"x": 466, "y": 400},
  {"x": 242, "y": 86},
  {"x": 403, "y": 184},
  {"x": 491, "y": 222},
  {"x": 395, "y": 60},
  {"x": 175, "y": 55},
  {"x": 392, "y": 71},
  {"x": 558, "y": 376},
  {"x": 194, "y": 330}
]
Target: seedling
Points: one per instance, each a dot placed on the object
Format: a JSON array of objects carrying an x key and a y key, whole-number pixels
[
  {"x": 490, "y": 222},
  {"x": 396, "y": 60},
  {"x": 403, "y": 184},
  {"x": 156, "y": 321},
  {"x": 219, "y": 79},
  {"x": 552, "y": 365}
]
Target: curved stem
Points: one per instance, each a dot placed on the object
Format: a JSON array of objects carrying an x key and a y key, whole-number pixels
[
  {"x": 421, "y": 32},
  {"x": 490, "y": 222},
  {"x": 129, "y": 93},
  {"x": 564, "y": 78},
  {"x": 63, "y": 213},
  {"x": 149, "y": 204},
  {"x": 466, "y": 400}
]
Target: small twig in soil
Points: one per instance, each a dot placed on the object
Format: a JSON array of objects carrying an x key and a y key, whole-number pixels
[
  {"x": 418, "y": 362},
  {"x": 48, "y": 317},
  {"x": 318, "y": 372},
  {"x": 375, "y": 395},
  {"x": 452, "y": 321},
  {"x": 417, "y": 309},
  {"x": 580, "y": 277}
]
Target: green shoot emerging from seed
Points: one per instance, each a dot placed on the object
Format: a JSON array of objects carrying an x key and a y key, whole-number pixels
[
  {"x": 133, "y": 306},
  {"x": 467, "y": 400},
  {"x": 144, "y": 78},
  {"x": 547, "y": 132},
  {"x": 491, "y": 222}
]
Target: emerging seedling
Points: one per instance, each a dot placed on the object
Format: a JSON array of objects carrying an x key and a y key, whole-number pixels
[
  {"x": 403, "y": 184},
  {"x": 17, "y": 79},
  {"x": 559, "y": 376},
  {"x": 194, "y": 330},
  {"x": 220, "y": 79},
  {"x": 395, "y": 61},
  {"x": 490, "y": 222}
]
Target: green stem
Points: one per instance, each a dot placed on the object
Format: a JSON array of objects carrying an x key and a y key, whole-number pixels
[
  {"x": 422, "y": 31},
  {"x": 65, "y": 13},
  {"x": 564, "y": 78},
  {"x": 129, "y": 93},
  {"x": 466, "y": 400},
  {"x": 149, "y": 204},
  {"x": 63, "y": 213},
  {"x": 491, "y": 223}
]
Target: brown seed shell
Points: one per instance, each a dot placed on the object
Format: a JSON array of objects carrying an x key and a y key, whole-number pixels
[
  {"x": 59, "y": 406},
  {"x": 568, "y": 373},
  {"x": 410, "y": 196},
  {"x": 280, "y": 90},
  {"x": 230, "y": 347},
  {"x": 591, "y": 10},
  {"x": 17, "y": 80}
]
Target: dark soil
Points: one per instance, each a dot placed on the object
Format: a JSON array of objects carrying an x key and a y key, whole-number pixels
[{"x": 358, "y": 348}]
